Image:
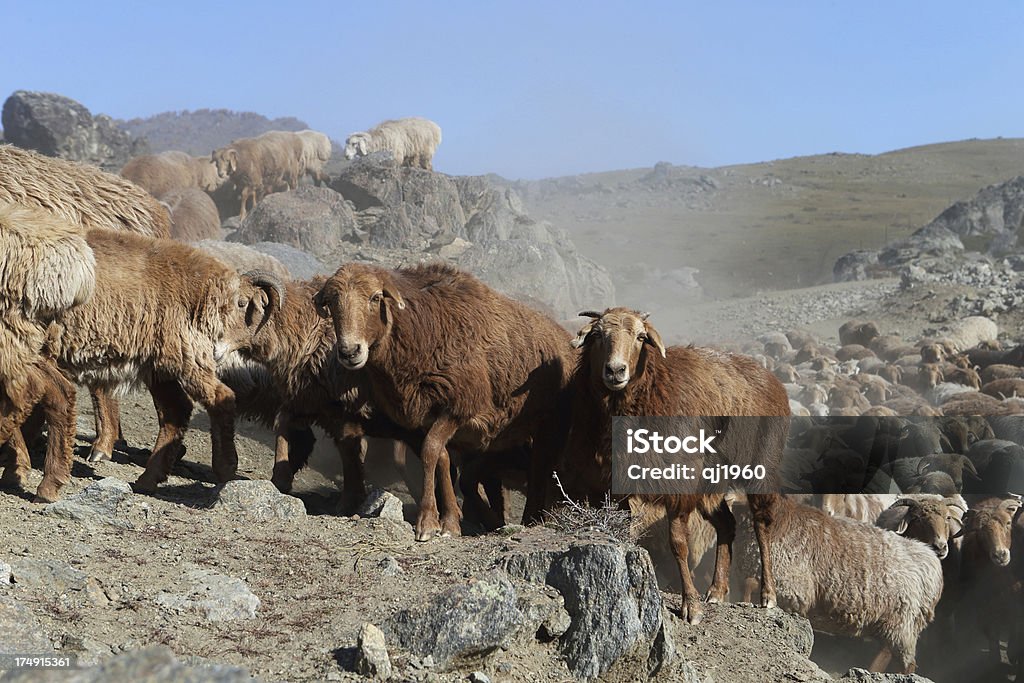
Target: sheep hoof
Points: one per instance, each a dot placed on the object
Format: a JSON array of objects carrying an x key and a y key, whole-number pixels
[
  {"x": 96, "y": 455},
  {"x": 46, "y": 494},
  {"x": 691, "y": 611},
  {"x": 144, "y": 485},
  {"x": 451, "y": 527},
  {"x": 768, "y": 602}
]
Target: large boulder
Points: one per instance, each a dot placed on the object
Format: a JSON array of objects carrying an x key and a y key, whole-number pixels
[
  {"x": 612, "y": 597},
  {"x": 407, "y": 215},
  {"x": 61, "y": 127},
  {"x": 314, "y": 219},
  {"x": 401, "y": 207}
]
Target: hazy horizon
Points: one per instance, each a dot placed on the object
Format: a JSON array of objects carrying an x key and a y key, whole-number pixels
[{"x": 539, "y": 90}]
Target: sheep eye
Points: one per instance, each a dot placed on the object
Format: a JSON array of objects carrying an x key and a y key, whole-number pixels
[
  {"x": 376, "y": 298},
  {"x": 241, "y": 303},
  {"x": 642, "y": 336}
]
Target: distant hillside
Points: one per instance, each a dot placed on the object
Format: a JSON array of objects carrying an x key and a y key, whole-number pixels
[
  {"x": 771, "y": 225},
  {"x": 201, "y": 131}
]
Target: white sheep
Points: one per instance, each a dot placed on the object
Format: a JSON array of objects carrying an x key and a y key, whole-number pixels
[
  {"x": 969, "y": 332},
  {"x": 412, "y": 141},
  {"x": 316, "y": 151},
  {"x": 849, "y": 578}
]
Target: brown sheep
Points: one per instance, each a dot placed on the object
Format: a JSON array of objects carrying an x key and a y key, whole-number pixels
[
  {"x": 157, "y": 317},
  {"x": 1004, "y": 388},
  {"x": 80, "y": 194},
  {"x": 966, "y": 376},
  {"x": 986, "y": 577},
  {"x": 47, "y": 268},
  {"x": 984, "y": 357},
  {"x": 853, "y": 352},
  {"x": 858, "y": 332},
  {"x": 626, "y": 370},
  {"x": 1000, "y": 371},
  {"x": 258, "y": 166},
  {"x": 160, "y": 174},
  {"x": 449, "y": 356},
  {"x": 193, "y": 215}
]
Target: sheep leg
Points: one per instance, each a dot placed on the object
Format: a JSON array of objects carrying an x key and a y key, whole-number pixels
[
  {"x": 490, "y": 513},
  {"x": 725, "y": 531},
  {"x": 690, "y": 609},
  {"x": 548, "y": 444},
  {"x": 219, "y": 401},
  {"x": 173, "y": 410},
  {"x": 58, "y": 401},
  {"x": 435, "y": 456},
  {"x": 762, "y": 507},
  {"x": 17, "y": 469},
  {"x": 108, "y": 424},
  {"x": 881, "y": 661},
  {"x": 283, "y": 475},
  {"x": 352, "y": 447}
]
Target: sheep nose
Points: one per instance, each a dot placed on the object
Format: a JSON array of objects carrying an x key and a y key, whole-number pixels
[
  {"x": 349, "y": 351},
  {"x": 616, "y": 371},
  {"x": 942, "y": 550},
  {"x": 1001, "y": 557}
]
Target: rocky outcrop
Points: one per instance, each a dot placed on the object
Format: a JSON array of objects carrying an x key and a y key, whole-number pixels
[
  {"x": 380, "y": 212},
  {"x": 61, "y": 127}
]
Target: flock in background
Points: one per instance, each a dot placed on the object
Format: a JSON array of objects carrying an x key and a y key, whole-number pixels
[{"x": 94, "y": 292}]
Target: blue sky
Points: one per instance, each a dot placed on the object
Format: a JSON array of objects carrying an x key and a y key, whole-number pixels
[{"x": 535, "y": 89}]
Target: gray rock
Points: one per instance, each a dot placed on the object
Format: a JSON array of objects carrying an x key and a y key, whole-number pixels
[
  {"x": 20, "y": 632},
  {"x": 300, "y": 264},
  {"x": 864, "y": 676},
  {"x": 104, "y": 501},
  {"x": 461, "y": 623},
  {"x": 61, "y": 127},
  {"x": 215, "y": 596},
  {"x": 243, "y": 258},
  {"x": 611, "y": 594},
  {"x": 6, "y": 574},
  {"x": 388, "y": 566},
  {"x": 856, "y": 265},
  {"x": 259, "y": 499},
  {"x": 479, "y": 677},
  {"x": 372, "y": 658},
  {"x": 54, "y": 576},
  {"x": 153, "y": 664},
  {"x": 314, "y": 219},
  {"x": 380, "y": 503}
]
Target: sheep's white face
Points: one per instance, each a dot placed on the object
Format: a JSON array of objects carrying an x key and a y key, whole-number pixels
[
  {"x": 615, "y": 341},
  {"x": 225, "y": 161},
  {"x": 360, "y": 301},
  {"x": 355, "y": 146},
  {"x": 209, "y": 176}
]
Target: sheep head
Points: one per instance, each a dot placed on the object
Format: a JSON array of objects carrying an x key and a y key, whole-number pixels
[
  {"x": 357, "y": 145},
  {"x": 260, "y": 297},
  {"x": 993, "y": 525},
  {"x": 361, "y": 301},
  {"x": 617, "y": 341},
  {"x": 208, "y": 175},
  {"x": 226, "y": 162}
]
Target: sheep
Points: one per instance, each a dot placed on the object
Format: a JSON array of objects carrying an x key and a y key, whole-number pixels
[
  {"x": 259, "y": 166},
  {"x": 411, "y": 141},
  {"x": 46, "y": 268},
  {"x": 996, "y": 371},
  {"x": 984, "y": 357},
  {"x": 193, "y": 215},
  {"x": 933, "y": 521},
  {"x": 448, "y": 355},
  {"x": 858, "y": 332},
  {"x": 987, "y": 581},
  {"x": 970, "y": 332},
  {"x": 160, "y": 174},
  {"x": 1004, "y": 388},
  {"x": 316, "y": 151},
  {"x": 80, "y": 194},
  {"x": 625, "y": 369},
  {"x": 296, "y": 346},
  {"x": 157, "y": 317},
  {"x": 850, "y": 578},
  {"x": 863, "y": 507}
]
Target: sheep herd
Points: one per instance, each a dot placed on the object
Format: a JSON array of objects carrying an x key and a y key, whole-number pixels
[{"x": 910, "y": 521}]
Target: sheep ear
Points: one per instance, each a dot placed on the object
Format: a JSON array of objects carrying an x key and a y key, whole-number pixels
[
  {"x": 1011, "y": 505},
  {"x": 394, "y": 296},
  {"x": 321, "y": 305},
  {"x": 582, "y": 335},
  {"x": 232, "y": 156},
  {"x": 654, "y": 338}
]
